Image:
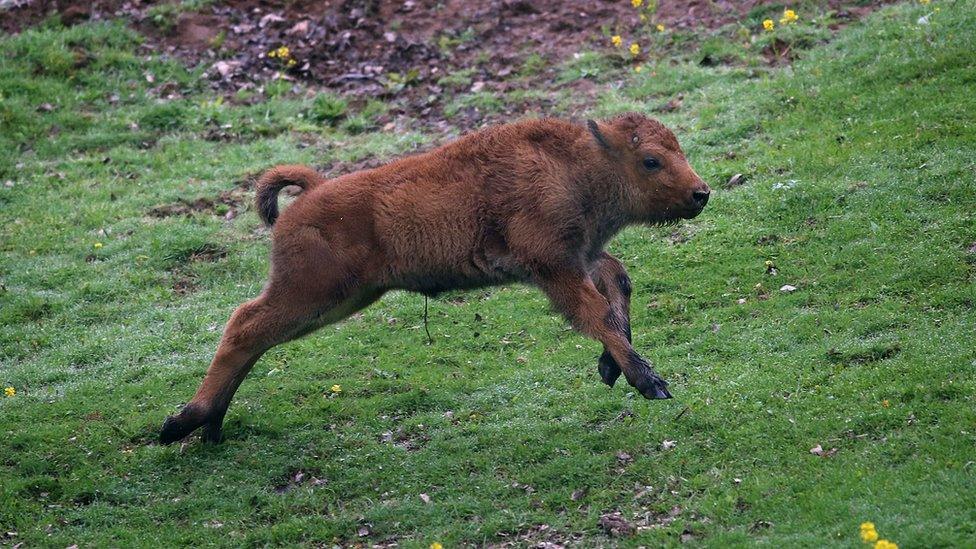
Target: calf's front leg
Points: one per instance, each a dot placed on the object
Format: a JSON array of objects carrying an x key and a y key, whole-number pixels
[
  {"x": 610, "y": 277},
  {"x": 574, "y": 294}
]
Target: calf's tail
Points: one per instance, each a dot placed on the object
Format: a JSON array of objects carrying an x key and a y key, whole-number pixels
[{"x": 277, "y": 178}]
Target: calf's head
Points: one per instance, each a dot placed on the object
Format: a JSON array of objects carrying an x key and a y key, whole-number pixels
[{"x": 659, "y": 185}]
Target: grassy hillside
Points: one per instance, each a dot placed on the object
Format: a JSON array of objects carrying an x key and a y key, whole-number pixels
[{"x": 861, "y": 162}]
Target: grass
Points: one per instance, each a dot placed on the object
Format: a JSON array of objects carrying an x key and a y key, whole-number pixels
[{"x": 861, "y": 165}]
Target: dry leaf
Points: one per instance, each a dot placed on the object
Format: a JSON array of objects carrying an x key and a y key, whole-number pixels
[
  {"x": 668, "y": 444},
  {"x": 817, "y": 450},
  {"x": 735, "y": 181},
  {"x": 270, "y": 18},
  {"x": 616, "y": 525},
  {"x": 425, "y": 498}
]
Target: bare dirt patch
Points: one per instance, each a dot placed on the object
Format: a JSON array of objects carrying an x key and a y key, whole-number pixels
[
  {"x": 184, "y": 280},
  {"x": 418, "y": 52},
  {"x": 227, "y": 204}
]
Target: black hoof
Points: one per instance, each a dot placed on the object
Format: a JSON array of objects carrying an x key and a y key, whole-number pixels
[
  {"x": 174, "y": 430},
  {"x": 212, "y": 434},
  {"x": 177, "y": 427},
  {"x": 654, "y": 388},
  {"x": 609, "y": 369}
]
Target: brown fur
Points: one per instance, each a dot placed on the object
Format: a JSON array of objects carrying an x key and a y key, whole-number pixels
[{"x": 534, "y": 201}]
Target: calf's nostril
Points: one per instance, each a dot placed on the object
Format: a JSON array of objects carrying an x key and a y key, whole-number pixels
[{"x": 701, "y": 197}]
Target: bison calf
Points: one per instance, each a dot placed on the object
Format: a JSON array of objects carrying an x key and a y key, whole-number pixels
[{"x": 534, "y": 201}]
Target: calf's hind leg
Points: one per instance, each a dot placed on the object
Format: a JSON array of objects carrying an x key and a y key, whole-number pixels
[
  {"x": 255, "y": 327},
  {"x": 284, "y": 311}
]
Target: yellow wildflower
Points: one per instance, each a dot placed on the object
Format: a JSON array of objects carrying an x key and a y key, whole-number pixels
[
  {"x": 336, "y": 389},
  {"x": 636, "y": 3},
  {"x": 660, "y": 27},
  {"x": 768, "y": 24},
  {"x": 283, "y": 52},
  {"x": 923, "y": 2},
  {"x": 638, "y": 68},
  {"x": 98, "y": 245},
  {"x": 634, "y": 49},
  {"x": 885, "y": 544},
  {"x": 436, "y": 545},
  {"x": 292, "y": 62},
  {"x": 868, "y": 533},
  {"x": 9, "y": 391},
  {"x": 643, "y": 17},
  {"x": 616, "y": 40},
  {"x": 789, "y": 16}
]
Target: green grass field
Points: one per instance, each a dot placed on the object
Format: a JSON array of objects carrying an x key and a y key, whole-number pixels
[{"x": 861, "y": 162}]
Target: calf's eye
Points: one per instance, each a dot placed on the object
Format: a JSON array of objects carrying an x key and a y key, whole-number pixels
[{"x": 651, "y": 163}]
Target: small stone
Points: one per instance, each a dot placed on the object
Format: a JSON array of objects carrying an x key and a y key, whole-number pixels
[
  {"x": 300, "y": 28},
  {"x": 225, "y": 68}
]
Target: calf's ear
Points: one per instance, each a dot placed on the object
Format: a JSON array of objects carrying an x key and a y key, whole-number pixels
[
  {"x": 595, "y": 130},
  {"x": 606, "y": 136}
]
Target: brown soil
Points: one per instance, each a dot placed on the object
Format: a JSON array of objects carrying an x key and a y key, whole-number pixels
[
  {"x": 398, "y": 50},
  {"x": 226, "y": 204},
  {"x": 355, "y": 45}
]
